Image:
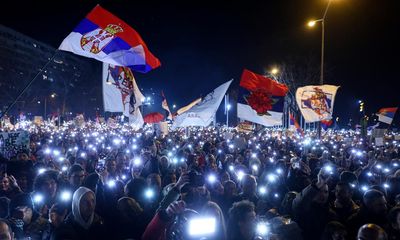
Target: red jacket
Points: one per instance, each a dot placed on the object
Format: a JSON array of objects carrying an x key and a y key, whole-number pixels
[{"x": 157, "y": 227}]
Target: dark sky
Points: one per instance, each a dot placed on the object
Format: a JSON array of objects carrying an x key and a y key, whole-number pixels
[{"x": 203, "y": 44}]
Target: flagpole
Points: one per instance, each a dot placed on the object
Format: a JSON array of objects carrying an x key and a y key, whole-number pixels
[{"x": 27, "y": 86}]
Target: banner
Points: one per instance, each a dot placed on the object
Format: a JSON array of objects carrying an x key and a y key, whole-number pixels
[
  {"x": 121, "y": 93},
  {"x": 202, "y": 114},
  {"x": 13, "y": 142},
  {"x": 106, "y": 38},
  {"x": 316, "y": 102}
]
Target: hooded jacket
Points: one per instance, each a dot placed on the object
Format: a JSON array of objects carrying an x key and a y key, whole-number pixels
[{"x": 75, "y": 227}]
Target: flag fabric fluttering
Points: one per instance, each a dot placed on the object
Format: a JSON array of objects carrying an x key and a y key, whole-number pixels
[
  {"x": 316, "y": 102},
  {"x": 121, "y": 93},
  {"x": 295, "y": 125},
  {"x": 188, "y": 107},
  {"x": 106, "y": 38},
  {"x": 202, "y": 114},
  {"x": 164, "y": 105},
  {"x": 262, "y": 101},
  {"x": 325, "y": 124},
  {"x": 386, "y": 115}
]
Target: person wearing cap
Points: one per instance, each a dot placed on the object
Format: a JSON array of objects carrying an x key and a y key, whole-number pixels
[{"x": 82, "y": 222}]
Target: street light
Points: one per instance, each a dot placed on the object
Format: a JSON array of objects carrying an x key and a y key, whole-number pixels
[
  {"x": 274, "y": 71},
  {"x": 312, "y": 24}
]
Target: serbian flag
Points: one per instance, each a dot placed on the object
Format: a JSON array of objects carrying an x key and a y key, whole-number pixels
[
  {"x": 295, "y": 124},
  {"x": 105, "y": 37},
  {"x": 263, "y": 99},
  {"x": 386, "y": 115},
  {"x": 164, "y": 105},
  {"x": 326, "y": 123}
]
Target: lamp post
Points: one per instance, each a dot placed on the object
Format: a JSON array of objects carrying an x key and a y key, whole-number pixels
[{"x": 312, "y": 24}]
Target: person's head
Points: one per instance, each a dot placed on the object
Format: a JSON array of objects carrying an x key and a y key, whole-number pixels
[
  {"x": 4, "y": 183},
  {"x": 129, "y": 209},
  {"x": 154, "y": 182},
  {"x": 343, "y": 193},
  {"x": 111, "y": 166},
  {"x": 46, "y": 183},
  {"x": 83, "y": 206},
  {"x": 242, "y": 218},
  {"x": 249, "y": 185},
  {"x": 229, "y": 188},
  {"x": 76, "y": 175},
  {"x": 22, "y": 156},
  {"x": 348, "y": 177},
  {"x": 5, "y": 230},
  {"x": 225, "y": 177},
  {"x": 57, "y": 214},
  {"x": 21, "y": 207},
  {"x": 334, "y": 231},
  {"x": 213, "y": 210},
  {"x": 135, "y": 189},
  {"x": 91, "y": 181},
  {"x": 371, "y": 232},
  {"x": 394, "y": 218},
  {"x": 375, "y": 202},
  {"x": 322, "y": 196}
]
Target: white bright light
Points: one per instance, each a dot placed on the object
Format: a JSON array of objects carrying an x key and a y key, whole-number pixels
[
  {"x": 47, "y": 151},
  {"x": 111, "y": 183},
  {"x": 212, "y": 178},
  {"x": 279, "y": 171},
  {"x": 56, "y": 152},
  {"x": 364, "y": 188},
  {"x": 262, "y": 229},
  {"x": 137, "y": 161},
  {"x": 262, "y": 190},
  {"x": 231, "y": 168},
  {"x": 149, "y": 193},
  {"x": 66, "y": 196},
  {"x": 254, "y": 167},
  {"x": 41, "y": 170},
  {"x": 64, "y": 168},
  {"x": 240, "y": 175},
  {"x": 117, "y": 141},
  {"x": 385, "y": 185},
  {"x": 369, "y": 174},
  {"x": 38, "y": 198},
  {"x": 271, "y": 178},
  {"x": 202, "y": 226}
]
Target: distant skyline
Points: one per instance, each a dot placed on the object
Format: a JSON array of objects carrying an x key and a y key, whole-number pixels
[{"x": 201, "y": 45}]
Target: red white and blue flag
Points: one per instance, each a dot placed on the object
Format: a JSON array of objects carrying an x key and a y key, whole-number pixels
[
  {"x": 386, "y": 115},
  {"x": 326, "y": 123},
  {"x": 262, "y": 101},
  {"x": 105, "y": 37},
  {"x": 294, "y": 124}
]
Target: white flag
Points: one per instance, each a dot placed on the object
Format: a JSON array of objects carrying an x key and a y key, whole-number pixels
[
  {"x": 120, "y": 91},
  {"x": 245, "y": 112},
  {"x": 187, "y": 107},
  {"x": 202, "y": 114},
  {"x": 316, "y": 102}
]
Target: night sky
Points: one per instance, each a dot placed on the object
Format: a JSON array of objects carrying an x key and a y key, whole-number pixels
[{"x": 203, "y": 44}]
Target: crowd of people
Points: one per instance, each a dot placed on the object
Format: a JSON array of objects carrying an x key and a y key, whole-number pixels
[{"x": 99, "y": 182}]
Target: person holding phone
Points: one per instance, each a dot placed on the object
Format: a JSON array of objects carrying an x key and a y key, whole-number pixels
[{"x": 8, "y": 186}]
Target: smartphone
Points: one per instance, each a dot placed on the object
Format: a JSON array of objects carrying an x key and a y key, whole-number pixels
[{"x": 201, "y": 226}]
